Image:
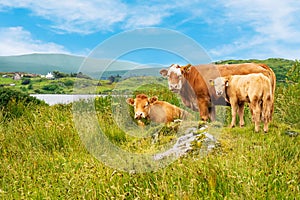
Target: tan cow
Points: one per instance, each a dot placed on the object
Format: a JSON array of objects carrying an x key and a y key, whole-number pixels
[
  {"x": 155, "y": 110},
  {"x": 192, "y": 83},
  {"x": 255, "y": 89}
]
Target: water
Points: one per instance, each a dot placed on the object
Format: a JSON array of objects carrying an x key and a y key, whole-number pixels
[{"x": 53, "y": 99}]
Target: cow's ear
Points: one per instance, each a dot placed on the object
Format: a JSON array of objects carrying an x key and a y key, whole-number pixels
[
  {"x": 186, "y": 68},
  {"x": 211, "y": 82},
  {"x": 163, "y": 72},
  {"x": 130, "y": 101},
  {"x": 153, "y": 99}
]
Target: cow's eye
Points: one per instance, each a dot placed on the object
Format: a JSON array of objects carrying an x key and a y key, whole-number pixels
[{"x": 146, "y": 105}]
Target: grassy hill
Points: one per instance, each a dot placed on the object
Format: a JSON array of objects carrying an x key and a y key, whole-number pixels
[{"x": 44, "y": 63}]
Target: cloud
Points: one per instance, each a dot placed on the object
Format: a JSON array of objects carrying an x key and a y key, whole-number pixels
[
  {"x": 272, "y": 29},
  {"x": 17, "y": 41},
  {"x": 86, "y": 17},
  {"x": 74, "y": 16}
]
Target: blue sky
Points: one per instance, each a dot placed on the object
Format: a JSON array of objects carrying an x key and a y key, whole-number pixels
[{"x": 226, "y": 29}]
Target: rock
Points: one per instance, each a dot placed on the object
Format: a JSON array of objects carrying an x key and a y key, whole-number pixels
[
  {"x": 292, "y": 133},
  {"x": 185, "y": 143}
]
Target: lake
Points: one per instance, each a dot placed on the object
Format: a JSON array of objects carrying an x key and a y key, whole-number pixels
[{"x": 52, "y": 99}]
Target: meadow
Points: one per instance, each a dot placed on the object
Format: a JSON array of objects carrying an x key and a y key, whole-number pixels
[{"x": 43, "y": 157}]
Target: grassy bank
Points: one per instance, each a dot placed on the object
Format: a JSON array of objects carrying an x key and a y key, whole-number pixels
[{"x": 42, "y": 157}]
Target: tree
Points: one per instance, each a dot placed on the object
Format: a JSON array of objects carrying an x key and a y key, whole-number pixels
[
  {"x": 294, "y": 73},
  {"x": 111, "y": 79},
  {"x": 26, "y": 81}
]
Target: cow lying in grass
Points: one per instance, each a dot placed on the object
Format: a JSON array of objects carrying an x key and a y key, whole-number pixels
[
  {"x": 155, "y": 110},
  {"x": 255, "y": 89}
]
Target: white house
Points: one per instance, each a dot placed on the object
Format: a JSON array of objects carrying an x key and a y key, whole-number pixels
[
  {"x": 49, "y": 76},
  {"x": 17, "y": 77}
]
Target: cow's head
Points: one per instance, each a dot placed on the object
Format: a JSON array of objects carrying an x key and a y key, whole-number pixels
[
  {"x": 220, "y": 85},
  {"x": 173, "y": 73},
  {"x": 141, "y": 105}
]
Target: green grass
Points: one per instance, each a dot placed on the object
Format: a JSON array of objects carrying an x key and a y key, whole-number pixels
[
  {"x": 59, "y": 86},
  {"x": 42, "y": 157}
]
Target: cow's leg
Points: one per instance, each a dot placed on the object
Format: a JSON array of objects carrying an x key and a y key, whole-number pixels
[
  {"x": 256, "y": 114},
  {"x": 266, "y": 127},
  {"x": 241, "y": 114},
  {"x": 203, "y": 109},
  {"x": 234, "y": 107},
  {"x": 267, "y": 112},
  {"x": 212, "y": 113}
]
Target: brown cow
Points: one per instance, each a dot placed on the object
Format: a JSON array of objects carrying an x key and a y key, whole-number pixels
[
  {"x": 156, "y": 111},
  {"x": 192, "y": 83},
  {"x": 255, "y": 89}
]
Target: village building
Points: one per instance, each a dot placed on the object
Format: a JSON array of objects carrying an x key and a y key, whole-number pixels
[
  {"x": 17, "y": 77},
  {"x": 49, "y": 76}
]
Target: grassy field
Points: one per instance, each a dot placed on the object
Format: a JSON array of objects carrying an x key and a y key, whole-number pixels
[
  {"x": 42, "y": 157},
  {"x": 64, "y": 85}
]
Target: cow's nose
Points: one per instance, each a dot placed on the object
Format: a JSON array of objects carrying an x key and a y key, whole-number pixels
[
  {"x": 138, "y": 115},
  {"x": 219, "y": 93},
  {"x": 174, "y": 86}
]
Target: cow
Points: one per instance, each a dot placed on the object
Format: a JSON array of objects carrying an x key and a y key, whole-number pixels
[
  {"x": 155, "y": 110},
  {"x": 192, "y": 83},
  {"x": 255, "y": 89}
]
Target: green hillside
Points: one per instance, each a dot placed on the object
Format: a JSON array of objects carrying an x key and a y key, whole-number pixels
[{"x": 44, "y": 63}]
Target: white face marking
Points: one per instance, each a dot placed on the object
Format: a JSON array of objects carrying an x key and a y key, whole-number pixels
[
  {"x": 174, "y": 78},
  {"x": 174, "y": 68},
  {"x": 219, "y": 84}
]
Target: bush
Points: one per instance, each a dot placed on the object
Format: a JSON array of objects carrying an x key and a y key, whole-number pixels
[
  {"x": 13, "y": 103},
  {"x": 69, "y": 83},
  {"x": 25, "y": 81},
  {"x": 51, "y": 87}
]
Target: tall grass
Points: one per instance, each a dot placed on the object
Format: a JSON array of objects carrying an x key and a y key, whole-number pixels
[{"x": 42, "y": 157}]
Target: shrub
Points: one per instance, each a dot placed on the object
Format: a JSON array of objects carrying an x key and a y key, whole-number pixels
[
  {"x": 25, "y": 81},
  {"x": 13, "y": 103},
  {"x": 51, "y": 87},
  {"x": 69, "y": 83}
]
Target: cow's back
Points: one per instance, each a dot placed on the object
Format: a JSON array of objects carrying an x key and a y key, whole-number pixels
[
  {"x": 162, "y": 111},
  {"x": 248, "y": 68},
  {"x": 201, "y": 74}
]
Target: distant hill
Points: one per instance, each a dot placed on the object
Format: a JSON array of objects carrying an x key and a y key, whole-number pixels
[
  {"x": 44, "y": 63},
  {"x": 40, "y": 63}
]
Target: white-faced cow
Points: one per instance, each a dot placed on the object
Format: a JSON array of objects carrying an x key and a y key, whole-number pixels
[
  {"x": 255, "y": 89},
  {"x": 192, "y": 83},
  {"x": 155, "y": 110}
]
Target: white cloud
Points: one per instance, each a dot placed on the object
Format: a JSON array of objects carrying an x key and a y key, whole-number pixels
[
  {"x": 17, "y": 41},
  {"x": 85, "y": 17},
  {"x": 274, "y": 29},
  {"x": 75, "y": 16}
]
